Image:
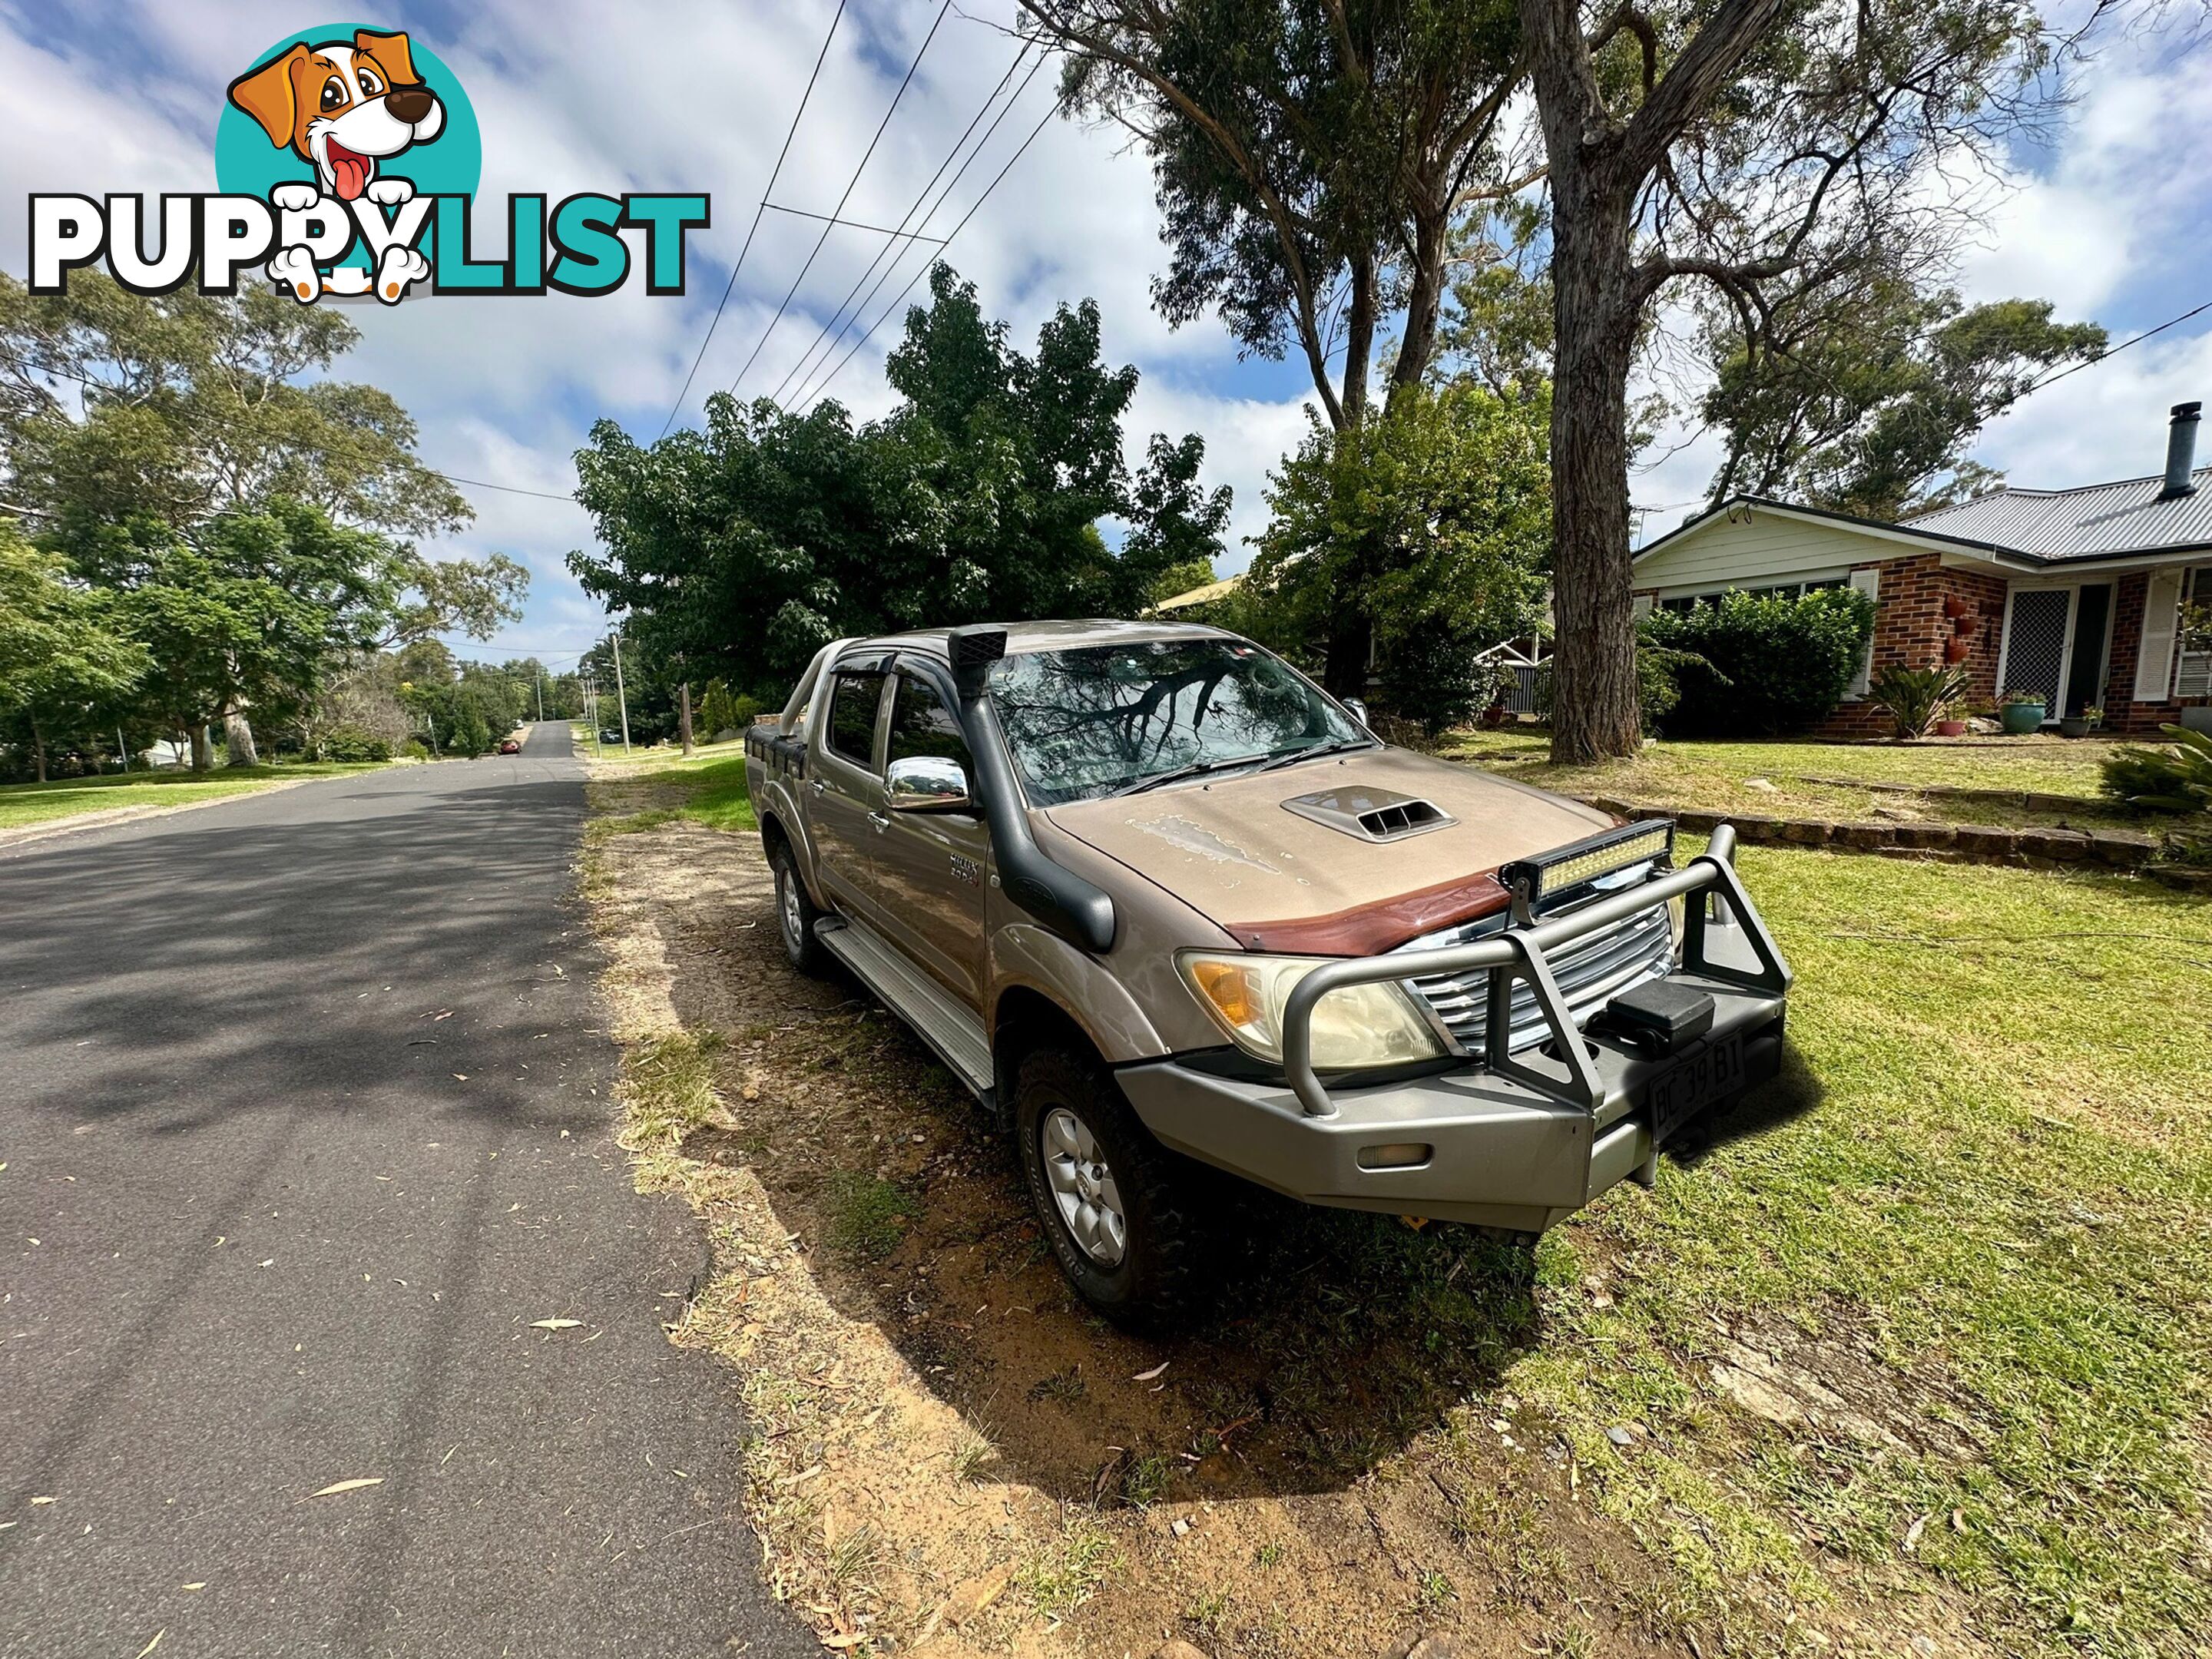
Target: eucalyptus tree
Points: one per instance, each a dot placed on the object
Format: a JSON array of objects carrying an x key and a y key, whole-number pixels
[{"x": 1759, "y": 149}]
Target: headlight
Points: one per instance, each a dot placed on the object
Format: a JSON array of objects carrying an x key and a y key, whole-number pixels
[{"x": 1358, "y": 1025}]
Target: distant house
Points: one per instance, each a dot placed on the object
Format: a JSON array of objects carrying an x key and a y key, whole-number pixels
[{"x": 2077, "y": 594}]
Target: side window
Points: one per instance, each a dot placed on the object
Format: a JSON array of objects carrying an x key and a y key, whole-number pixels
[
  {"x": 922, "y": 725},
  {"x": 852, "y": 732}
]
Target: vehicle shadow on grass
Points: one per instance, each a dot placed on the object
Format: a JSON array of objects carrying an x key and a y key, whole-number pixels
[
  {"x": 1789, "y": 1095},
  {"x": 1327, "y": 1341}
]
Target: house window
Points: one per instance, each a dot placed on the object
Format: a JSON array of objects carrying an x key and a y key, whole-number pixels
[{"x": 2192, "y": 676}]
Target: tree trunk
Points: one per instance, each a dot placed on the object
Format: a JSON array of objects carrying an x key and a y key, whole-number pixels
[
  {"x": 1350, "y": 648},
  {"x": 238, "y": 734},
  {"x": 1593, "y": 702},
  {"x": 1424, "y": 303},
  {"x": 38, "y": 749},
  {"x": 202, "y": 749},
  {"x": 683, "y": 715}
]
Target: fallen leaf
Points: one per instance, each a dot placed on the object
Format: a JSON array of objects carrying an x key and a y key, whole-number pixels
[
  {"x": 461, "y": 1076},
  {"x": 337, "y": 1487},
  {"x": 155, "y": 1642},
  {"x": 554, "y": 1324},
  {"x": 1146, "y": 1377},
  {"x": 42, "y": 1500},
  {"x": 1912, "y": 1534},
  {"x": 200, "y": 1585}
]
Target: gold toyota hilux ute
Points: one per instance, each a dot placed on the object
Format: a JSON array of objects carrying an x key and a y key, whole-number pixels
[{"x": 1155, "y": 896}]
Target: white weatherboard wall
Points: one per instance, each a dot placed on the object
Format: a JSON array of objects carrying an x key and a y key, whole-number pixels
[{"x": 1758, "y": 549}]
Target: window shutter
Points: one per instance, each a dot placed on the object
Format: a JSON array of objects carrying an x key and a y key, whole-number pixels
[
  {"x": 1639, "y": 607},
  {"x": 2162, "y": 622},
  {"x": 1868, "y": 582}
]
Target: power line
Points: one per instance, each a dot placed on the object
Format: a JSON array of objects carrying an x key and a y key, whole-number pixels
[
  {"x": 510, "y": 489},
  {"x": 2091, "y": 362},
  {"x": 838, "y": 319},
  {"x": 956, "y": 229},
  {"x": 853, "y": 224},
  {"x": 810, "y": 388},
  {"x": 790, "y": 133},
  {"x": 942, "y": 12}
]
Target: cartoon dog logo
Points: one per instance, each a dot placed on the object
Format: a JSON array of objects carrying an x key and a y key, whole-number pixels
[{"x": 343, "y": 107}]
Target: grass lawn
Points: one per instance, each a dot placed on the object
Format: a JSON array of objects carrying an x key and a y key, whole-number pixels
[
  {"x": 25, "y": 804},
  {"x": 1988, "y": 1238},
  {"x": 1713, "y": 776},
  {"x": 709, "y": 788}
]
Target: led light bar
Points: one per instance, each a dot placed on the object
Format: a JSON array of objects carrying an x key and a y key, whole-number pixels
[{"x": 1547, "y": 878}]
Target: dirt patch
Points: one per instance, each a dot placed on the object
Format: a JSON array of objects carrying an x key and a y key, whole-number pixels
[{"x": 953, "y": 1453}]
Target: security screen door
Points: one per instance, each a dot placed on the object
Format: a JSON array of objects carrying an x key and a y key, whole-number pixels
[{"x": 2035, "y": 642}]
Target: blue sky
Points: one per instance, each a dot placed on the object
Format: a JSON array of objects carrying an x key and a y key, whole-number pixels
[{"x": 2109, "y": 220}]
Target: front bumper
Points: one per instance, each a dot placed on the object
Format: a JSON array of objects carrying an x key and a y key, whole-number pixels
[{"x": 1517, "y": 1141}]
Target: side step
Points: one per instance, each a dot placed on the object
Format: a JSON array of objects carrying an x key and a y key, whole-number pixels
[{"x": 953, "y": 1031}]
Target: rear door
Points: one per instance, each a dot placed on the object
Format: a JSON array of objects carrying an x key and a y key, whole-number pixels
[
  {"x": 930, "y": 865},
  {"x": 847, "y": 788}
]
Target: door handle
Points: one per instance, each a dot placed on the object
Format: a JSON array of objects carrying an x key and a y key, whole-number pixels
[
  {"x": 817, "y": 785},
  {"x": 881, "y": 820}
]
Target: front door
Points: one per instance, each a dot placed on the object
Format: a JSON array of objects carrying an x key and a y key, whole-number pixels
[
  {"x": 2085, "y": 668},
  {"x": 846, "y": 787},
  {"x": 2057, "y": 645},
  {"x": 930, "y": 867}
]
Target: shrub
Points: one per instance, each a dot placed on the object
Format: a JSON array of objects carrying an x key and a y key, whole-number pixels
[
  {"x": 2173, "y": 777},
  {"x": 354, "y": 742},
  {"x": 1916, "y": 697},
  {"x": 1658, "y": 683},
  {"x": 1770, "y": 665}
]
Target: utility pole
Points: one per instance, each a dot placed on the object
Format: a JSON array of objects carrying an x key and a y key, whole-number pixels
[
  {"x": 622, "y": 698},
  {"x": 541, "y": 693}
]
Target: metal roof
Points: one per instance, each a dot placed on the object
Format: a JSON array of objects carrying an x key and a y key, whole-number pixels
[{"x": 2096, "y": 520}]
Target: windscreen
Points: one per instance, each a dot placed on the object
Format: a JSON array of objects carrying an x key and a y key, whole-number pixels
[{"x": 1107, "y": 719}]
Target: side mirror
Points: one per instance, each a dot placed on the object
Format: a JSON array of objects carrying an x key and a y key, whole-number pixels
[
  {"x": 1357, "y": 706},
  {"x": 926, "y": 783}
]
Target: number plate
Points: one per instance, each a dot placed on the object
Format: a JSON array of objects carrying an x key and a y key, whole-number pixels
[{"x": 1714, "y": 1073}]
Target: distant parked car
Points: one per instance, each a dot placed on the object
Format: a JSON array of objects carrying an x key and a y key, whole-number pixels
[
  {"x": 511, "y": 746},
  {"x": 608, "y": 734}
]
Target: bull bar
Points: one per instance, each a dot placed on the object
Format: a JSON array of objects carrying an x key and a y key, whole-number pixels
[{"x": 1518, "y": 954}]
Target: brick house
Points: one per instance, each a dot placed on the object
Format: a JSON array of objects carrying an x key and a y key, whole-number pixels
[{"x": 2078, "y": 594}]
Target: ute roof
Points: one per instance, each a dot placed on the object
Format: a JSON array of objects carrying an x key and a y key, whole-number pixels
[{"x": 1024, "y": 637}]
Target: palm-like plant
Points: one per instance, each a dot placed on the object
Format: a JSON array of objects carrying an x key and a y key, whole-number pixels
[
  {"x": 1916, "y": 697},
  {"x": 2171, "y": 777}
]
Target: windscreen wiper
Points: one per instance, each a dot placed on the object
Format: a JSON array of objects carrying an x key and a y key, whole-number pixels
[
  {"x": 1176, "y": 775},
  {"x": 1314, "y": 751}
]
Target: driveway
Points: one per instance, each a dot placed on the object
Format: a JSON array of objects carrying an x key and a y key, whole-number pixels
[{"x": 304, "y": 1127}]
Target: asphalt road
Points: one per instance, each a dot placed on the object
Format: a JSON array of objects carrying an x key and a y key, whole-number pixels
[{"x": 303, "y": 1123}]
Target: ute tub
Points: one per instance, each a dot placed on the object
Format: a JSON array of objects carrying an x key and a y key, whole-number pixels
[{"x": 1518, "y": 1140}]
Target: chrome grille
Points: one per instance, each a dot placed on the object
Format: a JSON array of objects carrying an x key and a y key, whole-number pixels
[{"x": 1590, "y": 971}]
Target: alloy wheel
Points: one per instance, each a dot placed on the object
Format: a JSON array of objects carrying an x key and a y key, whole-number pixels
[{"x": 1083, "y": 1188}]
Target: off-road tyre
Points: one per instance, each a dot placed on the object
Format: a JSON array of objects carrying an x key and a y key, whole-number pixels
[
  {"x": 795, "y": 916},
  {"x": 1153, "y": 1283}
]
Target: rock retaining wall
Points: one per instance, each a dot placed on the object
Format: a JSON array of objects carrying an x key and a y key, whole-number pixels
[{"x": 1966, "y": 843}]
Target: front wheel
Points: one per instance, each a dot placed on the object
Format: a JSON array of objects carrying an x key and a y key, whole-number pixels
[
  {"x": 796, "y": 915},
  {"x": 1115, "y": 1205}
]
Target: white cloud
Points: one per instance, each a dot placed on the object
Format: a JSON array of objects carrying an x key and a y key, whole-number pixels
[{"x": 574, "y": 96}]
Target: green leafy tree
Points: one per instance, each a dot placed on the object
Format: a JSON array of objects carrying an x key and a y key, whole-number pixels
[
  {"x": 62, "y": 656},
  {"x": 1435, "y": 517},
  {"x": 1868, "y": 394},
  {"x": 245, "y": 609},
  {"x": 737, "y": 552},
  {"x": 1309, "y": 158},
  {"x": 130, "y": 421}
]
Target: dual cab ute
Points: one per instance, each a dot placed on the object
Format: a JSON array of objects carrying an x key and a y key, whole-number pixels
[{"x": 1154, "y": 895}]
